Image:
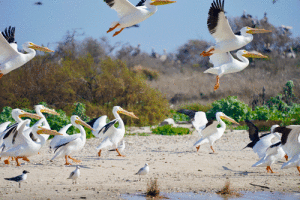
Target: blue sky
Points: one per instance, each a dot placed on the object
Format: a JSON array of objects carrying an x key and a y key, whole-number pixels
[{"x": 171, "y": 26}]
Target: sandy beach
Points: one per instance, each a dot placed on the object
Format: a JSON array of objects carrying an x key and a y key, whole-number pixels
[{"x": 172, "y": 160}]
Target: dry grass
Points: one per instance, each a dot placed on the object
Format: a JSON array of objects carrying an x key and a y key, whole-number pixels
[
  {"x": 227, "y": 192},
  {"x": 152, "y": 189}
]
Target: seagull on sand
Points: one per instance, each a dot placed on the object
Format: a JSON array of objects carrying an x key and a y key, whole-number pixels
[
  {"x": 75, "y": 175},
  {"x": 143, "y": 171},
  {"x": 19, "y": 178}
]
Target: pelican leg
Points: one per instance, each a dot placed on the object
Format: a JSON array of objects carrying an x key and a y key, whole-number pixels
[
  {"x": 111, "y": 29},
  {"x": 7, "y": 161},
  {"x": 208, "y": 53},
  {"x": 270, "y": 170},
  {"x": 298, "y": 168},
  {"x": 212, "y": 149},
  {"x": 119, "y": 153},
  {"x": 13, "y": 159},
  {"x": 198, "y": 147},
  {"x": 1, "y": 75},
  {"x": 67, "y": 163},
  {"x": 26, "y": 159},
  {"x": 17, "y": 160},
  {"x": 286, "y": 157},
  {"x": 217, "y": 83},
  {"x": 118, "y": 32},
  {"x": 74, "y": 160},
  {"x": 99, "y": 153}
]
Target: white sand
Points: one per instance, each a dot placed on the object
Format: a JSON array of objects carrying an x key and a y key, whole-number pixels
[{"x": 171, "y": 159}]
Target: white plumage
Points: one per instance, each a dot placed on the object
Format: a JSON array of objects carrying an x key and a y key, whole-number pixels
[
  {"x": 97, "y": 124},
  {"x": 75, "y": 175},
  {"x": 144, "y": 170},
  {"x": 3, "y": 126}
]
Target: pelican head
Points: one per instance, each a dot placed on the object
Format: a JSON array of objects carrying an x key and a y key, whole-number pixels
[
  {"x": 252, "y": 54},
  {"x": 21, "y": 113},
  {"x": 36, "y": 47},
  {"x": 43, "y": 109},
  {"x": 41, "y": 130},
  {"x": 221, "y": 115},
  {"x": 252, "y": 31},
  {"x": 76, "y": 120},
  {"x": 161, "y": 2},
  {"x": 118, "y": 109}
]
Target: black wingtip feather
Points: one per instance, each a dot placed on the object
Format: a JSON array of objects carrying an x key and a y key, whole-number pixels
[
  {"x": 9, "y": 34},
  {"x": 213, "y": 15},
  {"x": 110, "y": 3},
  {"x": 141, "y": 3}
]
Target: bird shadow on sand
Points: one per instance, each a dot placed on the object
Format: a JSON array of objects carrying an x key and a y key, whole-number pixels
[
  {"x": 81, "y": 166},
  {"x": 172, "y": 152},
  {"x": 238, "y": 172}
]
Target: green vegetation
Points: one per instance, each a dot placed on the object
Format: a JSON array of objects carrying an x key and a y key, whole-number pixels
[{"x": 169, "y": 130}]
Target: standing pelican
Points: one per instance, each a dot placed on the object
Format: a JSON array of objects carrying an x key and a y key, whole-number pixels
[
  {"x": 211, "y": 133},
  {"x": 10, "y": 58},
  {"x": 112, "y": 135},
  {"x": 25, "y": 146},
  {"x": 224, "y": 63},
  {"x": 57, "y": 138},
  {"x": 220, "y": 29},
  {"x": 130, "y": 15},
  {"x": 71, "y": 143}
]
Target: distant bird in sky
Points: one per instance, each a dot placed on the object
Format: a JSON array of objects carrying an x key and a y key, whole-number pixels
[
  {"x": 220, "y": 29},
  {"x": 143, "y": 171},
  {"x": 130, "y": 15},
  {"x": 10, "y": 57},
  {"x": 75, "y": 175},
  {"x": 19, "y": 178},
  {"x": 38, "y": 3}
]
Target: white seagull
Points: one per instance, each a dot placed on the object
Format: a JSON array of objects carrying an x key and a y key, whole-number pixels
[
  {"x": 143, "y": 171},
  {"x": 25, "y": 146},
  {"x": 10, "y": 58},
  {"x": 211, "y": 133},
  {"x": 220, "y": 29},
  {"x": 75, "y": 175},
  {"x": 112, "y": 135},
  {"x": 224, "y": 63},
  {"x": 130, "y": 15},
  {"x": 19, "y": 178},
  {"x": 69, "y": 144}
]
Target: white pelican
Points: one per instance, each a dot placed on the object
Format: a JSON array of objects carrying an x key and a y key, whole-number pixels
[
  {"x": 262, "y": 143},
  {"x": 3, "y": 126},
  {"x": 272, "y": 154},
  {"x": 10, "y": 58},
  {"x": 57, "y": 138},
  {"x": 121, "y": 147},
  {"x": 97, "y": 124},
  {"x": 9, "y": 135},
  {"x": 130, "y": 15},
  {"x": 290, "y": 141},
  {"x": 211, "y": 133},
  {"x": 75, "y": 175},
  {"x": 224, "y": 63},
  {"x": 71, "y": 143},
  {"x": 19, "y": 178},
  {"x": 25, "y": 146},
  {"x": 112, "y": 135},
  {"x": 220, "y": 29}
]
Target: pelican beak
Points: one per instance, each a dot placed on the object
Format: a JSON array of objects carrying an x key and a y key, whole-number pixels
[
  {"x": 161, "y": 2},
  {"x": 47, "y": 131},
  {"x": 125, "y": 112},
  {"x": 229, "y": 119},
  {"x": 39, "y": 48},
  {"x": 30, "y": 115},
  {"x": 79, "y": 121},
  {"x": 256, "y": 30},
  {"x": 49, "y": 111},
  {"x": 254, "y": 55}
]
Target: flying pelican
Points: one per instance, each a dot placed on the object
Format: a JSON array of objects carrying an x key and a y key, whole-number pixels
[
  {"x": 272, "y": 154},
  {"x": 9, "y": 135},
  {"x": 290, "y": 141},
  {"x": 72, "y": 143},
  {"x": 19, "y": 178},
  {"x": 220, "y": 29},
  {"x": 97, "y": 124},
  {"x": 130, "y": 15},
  {"x": 224, "y": 63},
  {"x": 25, "y": 146},
  {"x": 112, "y": 135},
  {"x": 211, "y": 133},
  {"x": 10, "y": 58}
]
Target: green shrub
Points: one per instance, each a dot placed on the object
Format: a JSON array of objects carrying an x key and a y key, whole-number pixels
[
  {"x": 197, "y": 107},
  {"x": 179, "y": 116},
  {"x": 169, "y": 130},
  {"x": 5, "y": 115}
]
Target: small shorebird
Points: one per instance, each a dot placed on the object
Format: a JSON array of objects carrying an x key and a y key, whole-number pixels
[
  {"x": 143, "y": 171},
  {"x": 75, "y": 175},
  {"x": 19, "y": 178}
]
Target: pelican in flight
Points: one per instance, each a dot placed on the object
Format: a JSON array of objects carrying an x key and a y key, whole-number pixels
[
  {"x": 130, "y": 15},
  {"x": 25, "y": 146},
  {"x": 10, "y": 58},
  {"x": 69, "y": 144},
  {"x": 208, "y": 129},
  {"x": 220, "y": 29},
  {"x": 112, "y": 135},
  {"x": 224, "y": 63}
]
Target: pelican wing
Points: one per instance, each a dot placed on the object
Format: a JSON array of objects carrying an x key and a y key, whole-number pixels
[
  {"x": 141, "y": 3},
  {"x": 273, "y": 149},
  {"x": 3, "y": 126},
  {"x": 57, "y": 138},
  {"x": 123, "y": 7},
  {"x": 210, "y": 129},
  {"x": 253, "y": 131},
  {"x": 217, "y": 22},
  {"x": 64, "y": 140},
  {"x": 7, "y": 52},
  {"x": 106, "y": 130},
  {"x": 219, "y": 59},
  {"x": 97, "y": 124},
  {"x": 105, "y": 143}
]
